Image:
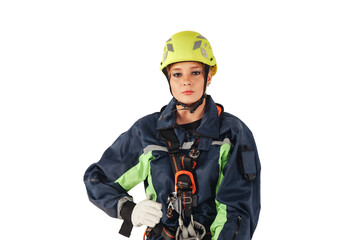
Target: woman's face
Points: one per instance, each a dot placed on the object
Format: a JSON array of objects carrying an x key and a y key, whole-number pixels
[{"x": 187, "y": 81}]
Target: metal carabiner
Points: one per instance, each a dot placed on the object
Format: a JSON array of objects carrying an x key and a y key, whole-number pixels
[{"x": 194, "y": 231}]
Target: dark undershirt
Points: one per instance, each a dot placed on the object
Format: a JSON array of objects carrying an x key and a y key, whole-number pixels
[{"x": 190, "y": 128}]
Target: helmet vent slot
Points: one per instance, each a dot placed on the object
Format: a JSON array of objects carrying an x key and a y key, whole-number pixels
[
  {"x": 197, "y": 45},
  {"x": 170, "y": 47}
]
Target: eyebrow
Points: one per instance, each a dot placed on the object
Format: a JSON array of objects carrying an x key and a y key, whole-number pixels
[{"x": 181, "y": 69}]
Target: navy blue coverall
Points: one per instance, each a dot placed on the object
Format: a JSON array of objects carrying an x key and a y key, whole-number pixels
[{"x": 227, "y": 174}]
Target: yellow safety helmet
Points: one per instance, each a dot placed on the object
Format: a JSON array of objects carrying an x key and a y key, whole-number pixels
[{"x": 188, "y": 46}]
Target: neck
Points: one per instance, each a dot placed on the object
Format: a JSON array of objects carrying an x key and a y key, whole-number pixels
[{"x": 184, "y": 116}]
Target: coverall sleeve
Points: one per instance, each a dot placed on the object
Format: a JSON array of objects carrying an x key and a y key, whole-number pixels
[
  {"x": 238, "y": 196},
  {"x": 100, "y": 177}
]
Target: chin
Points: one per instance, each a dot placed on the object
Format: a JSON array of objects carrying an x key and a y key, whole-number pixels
[
  {"x": 188, "y": 100},
  {"x": 190, "y": 104}
]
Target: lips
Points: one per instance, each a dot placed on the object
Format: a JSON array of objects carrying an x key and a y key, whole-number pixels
[{"x": 188, "y": 92}]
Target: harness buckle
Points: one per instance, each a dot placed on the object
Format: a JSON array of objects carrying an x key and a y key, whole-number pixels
[
  {"x": 173, "y": 151},
  {"x": 194, "y": 153}
]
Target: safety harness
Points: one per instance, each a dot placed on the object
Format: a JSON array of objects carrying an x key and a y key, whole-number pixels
[
  {"x": 183, "y": 167},
  {"x": 184, "y": 198}
]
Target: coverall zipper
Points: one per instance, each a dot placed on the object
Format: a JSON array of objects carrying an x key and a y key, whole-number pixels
[{"x": 238, "y": 227}]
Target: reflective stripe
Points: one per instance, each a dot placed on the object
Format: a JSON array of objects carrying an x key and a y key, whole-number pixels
[
  {"x": 186, "y": 145},
  {"x": 226, "y": 140},
  {"x": 121, "y": 203},
  {"x": 154, "y": 148}
]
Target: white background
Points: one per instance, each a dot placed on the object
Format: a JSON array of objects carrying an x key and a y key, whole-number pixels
[{"x": 76, "y": 74}]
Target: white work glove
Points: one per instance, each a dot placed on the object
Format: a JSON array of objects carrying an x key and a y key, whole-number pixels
[{"x": 146, "y": 212}]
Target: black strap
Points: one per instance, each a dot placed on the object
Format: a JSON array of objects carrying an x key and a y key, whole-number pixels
[
  {"x": 126, "y": 229},
  {"x": 187, "y": 203},
  {"x": 125, "y": 213},
  {"x": 172, "y": 142},
  {"x": 247, "y": 162},
  {"x": 178, "y": 161}
]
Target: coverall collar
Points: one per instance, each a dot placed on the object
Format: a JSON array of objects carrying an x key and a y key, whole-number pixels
[{"x": 209, "y": 126}]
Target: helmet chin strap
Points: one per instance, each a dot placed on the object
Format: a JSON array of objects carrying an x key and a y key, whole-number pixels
[{"x": 192, "y": 108}]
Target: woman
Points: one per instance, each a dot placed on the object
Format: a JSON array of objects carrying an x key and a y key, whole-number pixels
[{"x": 199, "y": 164}]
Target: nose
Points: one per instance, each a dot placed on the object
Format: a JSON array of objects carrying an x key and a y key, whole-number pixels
[{"x": 186, "y": 81}]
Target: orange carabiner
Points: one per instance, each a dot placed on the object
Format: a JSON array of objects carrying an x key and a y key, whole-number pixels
[{"x": 193, "y": 187}]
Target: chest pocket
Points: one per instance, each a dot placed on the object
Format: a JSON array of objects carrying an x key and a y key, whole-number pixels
[{"x": 247, "y": 162}]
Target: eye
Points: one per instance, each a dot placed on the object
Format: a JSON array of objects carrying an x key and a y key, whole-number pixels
[
  {"x": 196, "y": 72},
  {"x": 176, "y": 74}
]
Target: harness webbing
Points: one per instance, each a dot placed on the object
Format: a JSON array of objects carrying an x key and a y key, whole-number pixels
[{"x": 183, "y": 167}]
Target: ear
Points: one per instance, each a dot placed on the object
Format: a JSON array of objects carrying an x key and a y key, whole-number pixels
[{"x": 209, "y": 78}]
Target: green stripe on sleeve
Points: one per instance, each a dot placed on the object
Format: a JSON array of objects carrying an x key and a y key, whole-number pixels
[
  {"x": 219, "y": 221},
  {"x": 136, "y": 174},
  {"x": 221, "y": 217}
]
